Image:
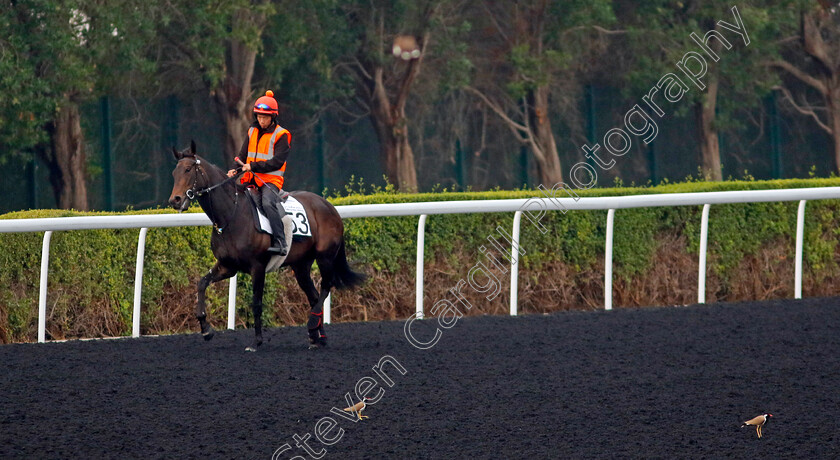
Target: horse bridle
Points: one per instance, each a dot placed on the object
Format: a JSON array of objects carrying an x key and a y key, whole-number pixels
[{"x": 192, "y": 193}]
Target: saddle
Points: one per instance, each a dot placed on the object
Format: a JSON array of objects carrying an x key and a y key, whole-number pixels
[{"x": 263, "y": 225}]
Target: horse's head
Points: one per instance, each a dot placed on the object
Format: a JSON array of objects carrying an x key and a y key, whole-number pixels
[{"x": 185, "y": 175}]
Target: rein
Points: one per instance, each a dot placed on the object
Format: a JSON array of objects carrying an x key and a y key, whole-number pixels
[{"x": 192, "y": 193}]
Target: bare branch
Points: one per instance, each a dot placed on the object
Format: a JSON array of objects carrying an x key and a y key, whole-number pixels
[
  {"x": 800, "y": 75},
  {"x": 483, "y": 129},
  {"x": 354, "y": 117},
  {"x": 413, "y": 70},
  {"x": 814, "y": 45},
  {"x": 759, "y": 122},
  {"x": 501, "y": 113},
  {"x": 363, "y": 104},
  {"x": 609, "y": 32},
  {"x": 499, "y": 27},
  {"x": 789, "y": 39},
  {"x": 803, "y": 110},
  {"x": 529, "y": 138},
  {"x": 596, "y": 28},
  {"x": 429, "y": 13},
  {"x": 361, "y": 70}
]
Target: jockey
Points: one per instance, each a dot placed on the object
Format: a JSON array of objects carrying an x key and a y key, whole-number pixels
[{"x": 266, "y": 150}]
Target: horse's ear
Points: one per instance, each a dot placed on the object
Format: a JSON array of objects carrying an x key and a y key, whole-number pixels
[
  {"x": 192, "y": 147},
  {"x": 175, "y": 153}
]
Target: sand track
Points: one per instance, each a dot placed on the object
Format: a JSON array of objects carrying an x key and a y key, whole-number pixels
[{"x": 654, "y": 382}]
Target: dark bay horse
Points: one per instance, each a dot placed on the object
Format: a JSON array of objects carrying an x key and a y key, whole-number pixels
[{"x": 239, "y": 247}]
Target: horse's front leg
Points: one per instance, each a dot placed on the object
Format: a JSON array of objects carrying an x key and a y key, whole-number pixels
[
  {"x": 217, "y": 273},
  {"x": 258, "y": 279}
]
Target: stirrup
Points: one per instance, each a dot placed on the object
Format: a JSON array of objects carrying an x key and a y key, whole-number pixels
[
  {"x": 281, "y": 251},
  {"x": 280, "y": 248}
]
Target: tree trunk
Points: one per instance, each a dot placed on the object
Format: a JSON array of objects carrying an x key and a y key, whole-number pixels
[
  {"x": 544, "y": 146},
  {"x": 236, "y": 128},
  {"x": 395, "y": 151},
  {"x": 66, "y": 159},
  {"x": 833, "y": 102},
  {"x": 406, "y": 171},
  {"x": 707, "y": 131},
  {"x": 392, "y": 130},
  {"x": 233, "y": 96}
]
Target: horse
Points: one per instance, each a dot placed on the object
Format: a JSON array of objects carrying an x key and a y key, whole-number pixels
[{"x": 239, "y": 247}]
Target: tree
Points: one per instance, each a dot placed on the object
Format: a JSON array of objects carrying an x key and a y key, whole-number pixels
[
  {"x": 543, "y": 43},
  {"x": 25, "y": 106},
  {"x": 813, "y": 60},
  {"x": 217, "y": 43},
  {"x": 300, "y": 50},
  {"x": 50, "y": 50},
  {"x": 715, "y": 50},
  {"x": 384, "y": 82},
  {"x": 58, "y": 55}
]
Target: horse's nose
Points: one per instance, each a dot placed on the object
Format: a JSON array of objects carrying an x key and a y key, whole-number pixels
[{"x": 175, "y": 200}]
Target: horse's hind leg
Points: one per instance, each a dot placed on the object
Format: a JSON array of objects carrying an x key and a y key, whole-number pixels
[
  {"x": 302, "y": 275},
  {"x": 258, "y": 279},
  {"x": 316, "y": 315},
  {"x": 217, "y": 273}
]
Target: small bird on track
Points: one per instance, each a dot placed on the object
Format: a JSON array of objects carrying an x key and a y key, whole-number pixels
[
  {"x": 358, "y": 408},
  {"x": 757, "y": 422}
]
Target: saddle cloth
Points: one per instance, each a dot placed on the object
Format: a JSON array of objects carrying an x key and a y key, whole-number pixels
[
  {"x": 295, "y": 216},
  {"x": 295, "y": 222}
]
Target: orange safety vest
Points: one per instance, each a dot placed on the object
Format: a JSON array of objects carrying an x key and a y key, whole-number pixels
[{"x": 261, "y": 148}]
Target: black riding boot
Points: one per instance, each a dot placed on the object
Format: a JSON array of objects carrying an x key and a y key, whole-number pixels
[{"x": 273, "y": 209}]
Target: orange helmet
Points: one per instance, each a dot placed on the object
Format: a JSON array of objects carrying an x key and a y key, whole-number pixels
[{"x": 266, "y": 105}]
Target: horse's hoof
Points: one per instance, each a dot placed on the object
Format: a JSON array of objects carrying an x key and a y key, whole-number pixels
[
  {"x": 313, "y": 336},
  {"x": 253, "y": 346},
  {"x": 206, "y": 331}
]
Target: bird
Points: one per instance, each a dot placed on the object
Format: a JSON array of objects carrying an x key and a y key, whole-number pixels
[
  {"x": 757, "y": 422},
  {"x": 359, "y": 407}
]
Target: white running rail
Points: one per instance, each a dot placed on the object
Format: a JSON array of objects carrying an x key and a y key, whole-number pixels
[{"x": 424, "y": 209}]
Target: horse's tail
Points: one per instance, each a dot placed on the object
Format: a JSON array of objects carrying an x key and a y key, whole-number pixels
[{"x": 345, "y": 277}]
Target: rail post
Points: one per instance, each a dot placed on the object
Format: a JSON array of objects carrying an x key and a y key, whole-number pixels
[
  {"x": 42, "y": 296},
  {"x": 608, "y": 259},
  {"x": 232, "y": 303},
  {"x": 138, "y": 282},
  {"x": 418, "y": 284},
  {"x": 800, "y": 234},
  {"x": 514, "y": 265},
  {"x": 704, "y": 242}
]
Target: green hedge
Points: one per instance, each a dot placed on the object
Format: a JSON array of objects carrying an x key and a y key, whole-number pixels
[{"x": 92, "y": 272}]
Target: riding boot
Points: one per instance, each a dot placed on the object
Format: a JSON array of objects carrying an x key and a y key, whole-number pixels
[
  {"x": 275, "y": 212},
  {"x": 279, "y": 235}
]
